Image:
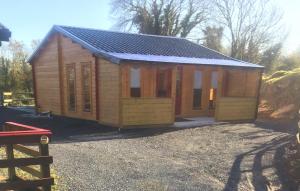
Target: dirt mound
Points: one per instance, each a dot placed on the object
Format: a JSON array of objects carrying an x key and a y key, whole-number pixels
[{"x": 280, "y": 95}]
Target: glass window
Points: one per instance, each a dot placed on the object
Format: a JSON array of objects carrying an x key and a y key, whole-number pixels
[
  {"x": 214, "y": 80},
  {"x": 86, "y": 87},
  {"x": 197, "y": 93},
  {"x": 164, "y": 82},
  {"x": 135, "y": 82},
  {"x": 71, "y": 87}
]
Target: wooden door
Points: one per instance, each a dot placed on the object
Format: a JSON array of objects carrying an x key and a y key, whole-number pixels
[{"x": 178, "y": 90}]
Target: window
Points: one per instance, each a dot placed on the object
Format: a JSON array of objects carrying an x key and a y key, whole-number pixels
[
  {"x": 197, "y": 93},
  {"x": 164, "y": 82},
  {"x": 213, "y": 90},
  {"x": 86, "y": 87},
  {"x": 71, "y": 87},
  {"x": 135, "y": 82}
]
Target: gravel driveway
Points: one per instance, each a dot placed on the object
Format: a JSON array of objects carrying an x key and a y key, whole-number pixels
[{"x": 222, "y": 157}]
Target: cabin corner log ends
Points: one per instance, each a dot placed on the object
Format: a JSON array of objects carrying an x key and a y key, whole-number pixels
[{"x": 13, "y": 137}]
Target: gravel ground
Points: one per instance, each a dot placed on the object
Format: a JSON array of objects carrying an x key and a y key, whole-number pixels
[{"x": 221, "y": 157}]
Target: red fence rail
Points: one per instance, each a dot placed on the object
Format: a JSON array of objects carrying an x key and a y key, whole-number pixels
[{"x": 13, "y": 137}]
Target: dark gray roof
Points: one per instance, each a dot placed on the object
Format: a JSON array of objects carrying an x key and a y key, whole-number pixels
[
  {"x": 130, "y": 43},
  {"x": 4, "y": 33},
  {"x": 119, "y": 46}
]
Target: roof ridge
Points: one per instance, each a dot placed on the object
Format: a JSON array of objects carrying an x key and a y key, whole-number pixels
[{"x": 122, "y": 32}]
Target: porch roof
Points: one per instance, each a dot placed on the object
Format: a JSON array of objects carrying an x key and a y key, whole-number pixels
[{"x": 120, "y": 46}]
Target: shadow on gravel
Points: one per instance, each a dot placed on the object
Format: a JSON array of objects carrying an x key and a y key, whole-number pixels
[
  {"x": 66, "y": 130},
  {"x": 259, "y": 182},
  {"x": 279, "y": 126}
]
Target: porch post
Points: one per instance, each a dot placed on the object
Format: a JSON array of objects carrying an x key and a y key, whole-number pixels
[{"x": 219, "y": 91}]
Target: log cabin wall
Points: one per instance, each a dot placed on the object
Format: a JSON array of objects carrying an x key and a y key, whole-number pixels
[
  {"x": 109, "y": 92},
  {"x": 73, "y": 54},
  {"x": 241, "y": 82},
  {"x": 238, "y": 98},
  {"x": 148, "y": 109},
  {"x": 46, "y": 71},
  {"x": 236, "y": 108}
]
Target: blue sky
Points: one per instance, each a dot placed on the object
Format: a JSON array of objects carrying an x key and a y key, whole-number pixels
[{"x": 32, "y": 19}]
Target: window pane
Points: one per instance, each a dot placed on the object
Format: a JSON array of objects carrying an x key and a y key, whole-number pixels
[
  {"x": 86, "y": 87},
  {"x": 135, "y": 78},
  {"x": 198, "y": 80},
  {"x": 197, "y": 93},
  {"x": 197, "y": 98},
  {"x": 214, "y": 79},
  {"x": 71, "y": 87},
  {"x": 135, "y": 82}
]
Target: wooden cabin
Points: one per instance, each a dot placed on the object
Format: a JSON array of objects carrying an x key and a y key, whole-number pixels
[{"x": 132, "y": 80}]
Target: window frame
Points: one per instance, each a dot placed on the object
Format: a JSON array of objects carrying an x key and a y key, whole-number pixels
[
  {"x": 213, "y": 90},
  {"x": 88, "y": 65},
  {"x": 73, "y": 66},
  {"x": 140, "y": 82},
  {"x": 201, "y": 90}
]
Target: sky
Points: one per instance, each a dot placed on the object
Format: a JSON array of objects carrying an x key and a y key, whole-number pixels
[{"x": 32, "y": 19}]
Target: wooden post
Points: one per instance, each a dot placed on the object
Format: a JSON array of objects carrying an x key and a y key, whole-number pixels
[
  {"x": 298, "y": 136},
  {"x": 220, "y": 90},
  {"x": 10, "y": 156},
  {"x": 258, "y": 94},
  {"x": 97, "y": 84},
  {"x": 120, "y": 97},
  {"x": 61, "y": 75},
  {"x": 45, "y": 169},
  {"x": 34, "y": 87}
]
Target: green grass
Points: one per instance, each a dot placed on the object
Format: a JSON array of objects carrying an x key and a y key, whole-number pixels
[{"x": 3, "y": 172}]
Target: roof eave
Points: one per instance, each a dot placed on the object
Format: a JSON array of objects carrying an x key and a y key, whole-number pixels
[
  {"x": 92, "y": 49},
  {"x": 174, "y": 60},
  {"x": 216, "y": 65}
]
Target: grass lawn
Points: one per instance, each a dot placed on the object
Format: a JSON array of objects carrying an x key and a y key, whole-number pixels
[{"x": 3, "y": 172}]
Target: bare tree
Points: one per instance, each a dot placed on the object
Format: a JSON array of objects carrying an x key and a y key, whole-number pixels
[
  {"x": 251, "y": 25},
  {"x": 160, "y": 17}
]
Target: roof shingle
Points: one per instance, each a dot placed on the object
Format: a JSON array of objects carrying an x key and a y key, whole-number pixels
[
  {"x": 130, "y": 43},
  {"x": 140, "y": 47}
]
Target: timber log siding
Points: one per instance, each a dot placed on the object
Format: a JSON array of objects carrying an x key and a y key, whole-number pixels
[
  {"x": 46, "y": 78},
  {"x": 111, "y": 101}
]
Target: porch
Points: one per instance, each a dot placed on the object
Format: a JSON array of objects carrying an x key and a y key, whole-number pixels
[{"x": 157, "y": 94}]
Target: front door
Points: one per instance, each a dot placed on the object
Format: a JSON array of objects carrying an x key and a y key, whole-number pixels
[{"x": 178, "y": 90}]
